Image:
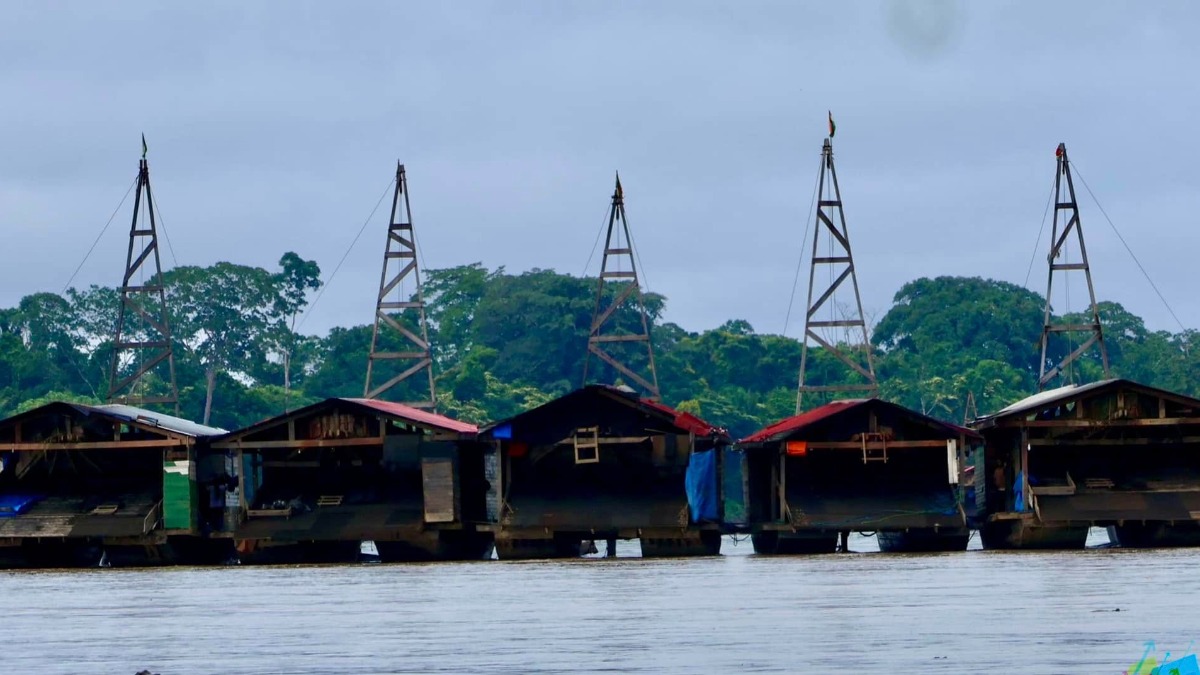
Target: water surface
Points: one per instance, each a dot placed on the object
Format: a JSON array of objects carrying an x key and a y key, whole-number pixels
[{"x": 979, "y": 611}]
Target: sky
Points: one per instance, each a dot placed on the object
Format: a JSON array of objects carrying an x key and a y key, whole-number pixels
[{"x": 276, "y": 126}]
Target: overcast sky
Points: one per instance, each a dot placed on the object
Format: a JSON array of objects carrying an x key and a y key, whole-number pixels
[{"x": 276, "y": 126}]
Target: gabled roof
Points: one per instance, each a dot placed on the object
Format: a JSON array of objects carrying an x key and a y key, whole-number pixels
[
  {"x": 1056, "y": 397},
  {"x": 396, "y": 411},
  {"x": 169, "y": 422},
  {"x": 790, "y": 426},
  {"x": 416, "y": 415},
  {"x": 787, "y": 425},
  {"x": 684, "y": 422},
  {"x": 125, "y": 413}
]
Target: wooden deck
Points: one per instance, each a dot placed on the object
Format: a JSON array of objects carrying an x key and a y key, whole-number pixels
[
  {"x": 84, "y": 517},
  {"x": 341, "y": 522},
  {"x": 897, "y": 511},
  {"x": 597, "y": 512}
]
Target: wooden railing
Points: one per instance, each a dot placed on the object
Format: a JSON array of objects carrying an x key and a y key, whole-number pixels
[{"x": 153, "y": 518}]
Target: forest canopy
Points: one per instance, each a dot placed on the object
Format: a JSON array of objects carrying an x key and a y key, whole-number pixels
[{"x": 505, "y": 342}]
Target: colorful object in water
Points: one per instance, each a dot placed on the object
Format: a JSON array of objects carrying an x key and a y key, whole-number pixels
[{"x": 1185, "y": 666}]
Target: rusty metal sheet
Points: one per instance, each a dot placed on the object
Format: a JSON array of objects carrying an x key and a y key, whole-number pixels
[
  {"x": 1118, "y": 505},
  {"x": 933, "y": 508},
  {"x": 441, "y": 489}
]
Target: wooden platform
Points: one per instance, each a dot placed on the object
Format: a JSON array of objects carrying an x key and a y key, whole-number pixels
[
  {"x": 1116, "y": 505},
  {"x": 338, "y": 523},
  {"x": 602, "y": 513},
  {"x": 898, "y": 511},
  {"x": 75, "y": 517}
]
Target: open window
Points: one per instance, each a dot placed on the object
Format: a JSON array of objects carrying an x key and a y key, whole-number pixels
[{"x": 587, "y": 445}]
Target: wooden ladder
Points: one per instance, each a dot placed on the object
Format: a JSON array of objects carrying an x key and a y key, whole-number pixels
[{"x": 871, "y": 454}]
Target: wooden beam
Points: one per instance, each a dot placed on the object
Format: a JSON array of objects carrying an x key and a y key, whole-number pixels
[
  {"x": 310, "y": 443},
  {"x": 94, "y": 445},
  {"x": 300, "y": 463},
  {"x": 1144, "y": 422},
  {"x": 874, "y": 445},
  {"x": 1173, "y": 443},
  {"x": 608, "y": 440}
]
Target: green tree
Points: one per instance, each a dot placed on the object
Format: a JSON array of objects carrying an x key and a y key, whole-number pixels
[{"x": 222, "y": 314}]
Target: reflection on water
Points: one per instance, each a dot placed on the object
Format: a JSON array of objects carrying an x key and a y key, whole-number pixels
[{"x": 939, "y": 613}]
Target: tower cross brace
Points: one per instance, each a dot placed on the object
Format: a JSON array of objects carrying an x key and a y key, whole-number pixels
[
  {"x": 143, "y": 326},
  {"x": 612, "y": 270},
  {"x": 1066, "y": 211},
  {"x": 400, "y": 263},
  {"x": 839, "y": 261}
]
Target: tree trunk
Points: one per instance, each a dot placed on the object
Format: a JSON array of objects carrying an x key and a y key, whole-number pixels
[
  {"x": 287, "y": 370},
  {"x": 210, "y": 379}
]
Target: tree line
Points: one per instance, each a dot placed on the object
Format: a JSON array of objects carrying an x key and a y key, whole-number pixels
[{"x": 505, "y": 342}]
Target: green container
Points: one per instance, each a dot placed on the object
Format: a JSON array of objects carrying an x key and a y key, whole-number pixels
[{"x": 180, "y": 495}]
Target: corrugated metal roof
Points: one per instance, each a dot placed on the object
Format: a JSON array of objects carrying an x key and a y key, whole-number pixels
[
  {"x": 416, "y": 415},
  {"x": 1040, "y": 399},
  {"x": 783, "y": 428},
  {"x": 802, "y": 420},
  {"x": 682, "y": 420},
  {"x": 1051, "y": 397},
  {"x": 153, "y": 418},
  {"x": 686, "y": 421}
]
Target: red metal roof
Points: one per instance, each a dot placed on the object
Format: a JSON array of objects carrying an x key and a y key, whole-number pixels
[
  {"x": 416, "y": 415},
  {"x": 802, "y": 420},
  {"x": 686, "y": 421},
  {"x": 798, "y": 422}
]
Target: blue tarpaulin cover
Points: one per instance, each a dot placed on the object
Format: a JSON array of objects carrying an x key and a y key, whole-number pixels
[
  {"x": 15, "y": 505},
  {"x": 701, "y": 483}
]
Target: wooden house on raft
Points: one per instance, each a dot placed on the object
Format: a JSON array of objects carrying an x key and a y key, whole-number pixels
[
  {"x": 599, "y": 464},
  {"x": 87, "y": 485},
  {"x": 313, "y": 484},
  {"x": 857, "y": 465},
  {"x": 1113, "y": 453}
]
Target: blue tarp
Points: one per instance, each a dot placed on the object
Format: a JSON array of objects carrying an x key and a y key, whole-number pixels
[
  {"x": 15, "y": 505},
  {"x": 701, "y": 482}
]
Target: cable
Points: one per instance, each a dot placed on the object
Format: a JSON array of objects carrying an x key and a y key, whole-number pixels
[
  {"x": 345, "y": 255},
  {"x": 803, "y": 242},
  {"x": 99, "y": 236},
  {"x": 162, "y": 223},
  {"x": 1129, "y": 250},
  {"x": 636, "y": 254},
  {"x": 1038, "y": 243},
  {"x": 600, "y": 233}
]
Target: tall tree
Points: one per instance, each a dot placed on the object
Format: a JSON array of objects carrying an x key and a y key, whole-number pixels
[{"x": 222, "y": 314}]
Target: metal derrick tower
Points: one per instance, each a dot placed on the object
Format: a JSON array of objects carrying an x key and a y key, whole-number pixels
[
  {"x": 1066, "y": 212},
  {"x": 143, "y": 337},
  {"x": 400, "y": 263},
  {"x": 619, "y": 255},
  {"x": 837, "y": 261}
]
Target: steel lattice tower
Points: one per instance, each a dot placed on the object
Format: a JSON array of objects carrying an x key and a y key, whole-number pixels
[
  {"x": 1066, "y": 208},
  {"x": 400, "y": 263},
  {"x": 143, "y": 336},
  {"x": 839, "y": 262},
  {"x": 617, "y": 252}
]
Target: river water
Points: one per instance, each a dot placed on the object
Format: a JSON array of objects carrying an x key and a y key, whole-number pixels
[{"x": 979, "y": 611}]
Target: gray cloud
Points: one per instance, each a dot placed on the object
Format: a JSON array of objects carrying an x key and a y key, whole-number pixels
[{"x": 274, "y": 126}]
